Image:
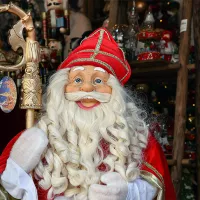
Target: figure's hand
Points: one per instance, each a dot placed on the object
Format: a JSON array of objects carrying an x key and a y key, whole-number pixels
[
  {"x": 28, "y": 149},
  {"x": 115, "y": 188},
  {"x": 141, "y": 189}
]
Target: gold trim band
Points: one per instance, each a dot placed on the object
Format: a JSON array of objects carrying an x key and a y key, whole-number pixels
[
  {"x": 154, "y": 181},
  {"x": 155, "y": 171}
]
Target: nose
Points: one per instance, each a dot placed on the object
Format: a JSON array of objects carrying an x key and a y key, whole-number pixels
[{"x": 87, "y": 87}]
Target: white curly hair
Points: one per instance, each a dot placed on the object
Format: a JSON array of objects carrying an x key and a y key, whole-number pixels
[{"x": 71, "y": 160}]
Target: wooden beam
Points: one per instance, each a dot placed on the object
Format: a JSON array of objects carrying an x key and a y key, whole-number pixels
[
  {"x": 181, "y": 97},
  {"x": 84, "y": 8},
  {"x": 185, "y": 162},
  {"x": 114, "y": 4},
  {"x": 196, "y": 20},
  {"x": 90, "y": 13}
]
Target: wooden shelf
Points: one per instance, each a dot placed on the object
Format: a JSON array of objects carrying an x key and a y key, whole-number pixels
[{"x": 151, "y": 71}]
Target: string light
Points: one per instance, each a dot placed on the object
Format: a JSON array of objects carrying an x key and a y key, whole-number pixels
[
  {"x": 161, "y": 20},
  {"x": 159, "y": 102},
  {"x": 190, "y": 119}
]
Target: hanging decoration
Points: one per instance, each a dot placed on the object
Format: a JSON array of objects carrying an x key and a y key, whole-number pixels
[{"x": 8, "y": 94}]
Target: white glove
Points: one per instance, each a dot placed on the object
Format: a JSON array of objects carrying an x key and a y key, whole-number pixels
[
  {"x": 28, "y": 149},
  {"x": 140, "y": 189},
  {"x": 116, "y": 188},
  {"x": 17, "y": 182}
]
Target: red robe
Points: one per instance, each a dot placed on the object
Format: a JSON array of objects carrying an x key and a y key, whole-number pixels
[{"x": 154, "y": 162}]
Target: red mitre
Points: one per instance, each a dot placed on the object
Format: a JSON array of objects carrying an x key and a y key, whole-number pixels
[{"x": 100, "y": 50}]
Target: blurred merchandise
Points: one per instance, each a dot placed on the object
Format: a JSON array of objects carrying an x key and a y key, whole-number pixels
[
  {"x": 150, "y": 38},
  {"x": 131, "y": 34}
]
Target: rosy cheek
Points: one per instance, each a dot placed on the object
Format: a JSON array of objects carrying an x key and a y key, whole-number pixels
[
  {"x": 104, "y": 89},
  {"x": 71, "y": 88}
]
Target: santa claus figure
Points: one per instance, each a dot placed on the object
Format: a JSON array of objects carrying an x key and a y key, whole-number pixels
[
  {"x": 167, "y": 46},
  {"x": 92, "y": 142}
]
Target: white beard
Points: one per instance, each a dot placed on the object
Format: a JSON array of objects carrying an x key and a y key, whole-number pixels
[
  {"x": 87, "y": 125},
  {"x": 74, "y": 153}
]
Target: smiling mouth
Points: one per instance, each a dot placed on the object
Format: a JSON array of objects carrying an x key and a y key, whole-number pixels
[{"x": 87, "y": 103}]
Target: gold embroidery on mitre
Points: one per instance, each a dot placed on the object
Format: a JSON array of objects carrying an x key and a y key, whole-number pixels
[
  {"x": 97, "y": 51},
  {"x": 107, "y": 54},
  {"x": 98, "y": 45},
  {"x": 110, "y": 55},
  {"x": 154, "y": 181}
]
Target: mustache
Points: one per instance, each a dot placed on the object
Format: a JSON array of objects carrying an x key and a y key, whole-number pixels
[{"x": 76, "y": 96}]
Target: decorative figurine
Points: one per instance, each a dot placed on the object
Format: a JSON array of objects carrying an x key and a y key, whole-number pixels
[
  {"x": 56, "y": 21},
  {"x": 55, "y": 47},
  {"x": 150, "y": 38},
  {"x": 167, "y": 46}
]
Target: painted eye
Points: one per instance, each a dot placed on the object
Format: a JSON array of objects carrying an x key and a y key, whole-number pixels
[
  {"x": 98, "y": 81},
  {"x": 78, "y": 80}
]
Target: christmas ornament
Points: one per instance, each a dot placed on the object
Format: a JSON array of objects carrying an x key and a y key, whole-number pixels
[
  {"x": 8, "y": 94},
  {"x": 118, "y": 33},
  {"x": 131, "y": 34},
  {"x": 150, "y": 37}
]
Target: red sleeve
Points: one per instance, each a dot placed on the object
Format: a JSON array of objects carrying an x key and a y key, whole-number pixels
[
  {"x": 156, "y": 163},
  {"x": 42, "y": 194},
  {"x": 6, "y": 153}
]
